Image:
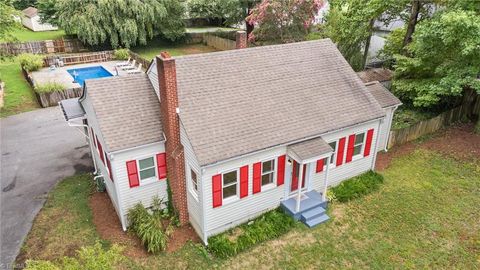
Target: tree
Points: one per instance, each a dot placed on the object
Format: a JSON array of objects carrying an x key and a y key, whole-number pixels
[
  {"x": 350, "y": 24},
  {"x": 23, "y": 4},
  {"x": 116, "y": 22},
  {"x": 282, "y": 20},
  {"x": 7, "y": 20},
  {"x": 443, "y": 59}
]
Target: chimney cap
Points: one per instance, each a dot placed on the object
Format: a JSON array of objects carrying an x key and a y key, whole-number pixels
[{"x": 165, "y": 55}]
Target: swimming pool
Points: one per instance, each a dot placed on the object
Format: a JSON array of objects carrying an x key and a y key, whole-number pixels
[{"x": 79, "y": 75}]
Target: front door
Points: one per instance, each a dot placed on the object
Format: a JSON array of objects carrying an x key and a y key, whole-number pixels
[{"x": 296, "y": 175}]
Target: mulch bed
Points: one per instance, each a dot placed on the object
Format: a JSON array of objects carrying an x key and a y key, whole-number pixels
[
  {"x": 458, "y": 142},
  {"x": 109, "y": 228}
]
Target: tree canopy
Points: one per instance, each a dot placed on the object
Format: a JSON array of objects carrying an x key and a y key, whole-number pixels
[
  {"x": 282, "y": 21},
  {"x": 227, "y": 12},
  {"x": 7, "y": 20},
  {"x": 442, "y": 60},
  {"x": 120, "y": 23}
]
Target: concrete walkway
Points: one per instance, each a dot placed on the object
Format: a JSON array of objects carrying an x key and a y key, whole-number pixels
[{"x": 38, "y": 150}]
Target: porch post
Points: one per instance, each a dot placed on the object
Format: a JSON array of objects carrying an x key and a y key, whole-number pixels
[
  {"x": 299, "y": 189},
  {"x": 325, "y": 181}
]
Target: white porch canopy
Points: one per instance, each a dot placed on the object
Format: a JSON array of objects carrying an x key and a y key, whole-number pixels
[{"x": 307, "y": 152}]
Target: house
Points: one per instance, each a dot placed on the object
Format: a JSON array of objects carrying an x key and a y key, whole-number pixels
[
  {"x": 382, "y": 75},
  {"x": 31, "y": 20},
  {"x": 236, "y": 133}
]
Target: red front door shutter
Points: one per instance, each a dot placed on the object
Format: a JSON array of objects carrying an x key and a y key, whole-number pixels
[
  {"x": 368, "y": 143},
  {"x": 217, "y": 190},
  {"x": 132, "y": 173},
  {"x": 351, "y": 146},
  {"x": 303, "y": 175},
  {"x": 294, "y": 185},
  {"x": 162, "y": 165},
  {"x": 109, "y": 166},
  {"x": 341, "y": 149},
  {"x": 257, "y": 177},
  {"x": 281, "y": 170},
  {"x": 244, "y": 181},
  {"x": 100, "y": 150},
  {"x": 320, "y": 164}
]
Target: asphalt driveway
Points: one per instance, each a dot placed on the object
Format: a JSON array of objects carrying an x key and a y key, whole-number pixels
[{"x": 38, "y": 150}]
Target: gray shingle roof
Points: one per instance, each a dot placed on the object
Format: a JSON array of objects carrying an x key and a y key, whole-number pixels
[
  {"x": 384, "y": 97},
  {"x": 30, "y": 12},
  {"x": 311, "y": 148},
  {"x": 127, "y": 110},
  {"x": 375, "y": 74},
  {"x": 241, "y": 101}
]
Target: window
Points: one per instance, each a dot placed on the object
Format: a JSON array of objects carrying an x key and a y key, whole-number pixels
[
  {"x": 193, "y": 176},
  {"x": 358, "y": 146},
  {"x": 268, "y": 172},
  {"x": 230, "y": 184},
  {"x": 334, "y": 147},
  {"x": 146, "y": 167}
]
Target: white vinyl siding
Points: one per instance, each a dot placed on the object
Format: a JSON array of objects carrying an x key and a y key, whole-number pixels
[{"x": 385, "y": 129}]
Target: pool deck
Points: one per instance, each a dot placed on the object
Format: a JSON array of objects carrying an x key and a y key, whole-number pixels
[{"x": 61, "y": 75}]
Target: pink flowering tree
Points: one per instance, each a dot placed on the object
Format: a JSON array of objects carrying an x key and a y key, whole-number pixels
[{"x": 282, "y": 21}]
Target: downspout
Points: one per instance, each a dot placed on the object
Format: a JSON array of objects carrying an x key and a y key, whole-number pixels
[
  {"x": 390, "y": 128},
  {"x": 376, "y": 145},
  {"x": 89, "y": 141},
  {"x": 204, "y": 212}
]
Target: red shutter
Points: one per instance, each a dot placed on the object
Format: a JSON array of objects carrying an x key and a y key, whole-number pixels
[
  {"x": 257, "y": 177},
  {"x": 162, "y": 165},
  {"x": 281, "y": 170},
  {"x": 109, "y": 167},
  {"x": 320, "y": 164},
  {"x": 341, "y": 149},
  {"x": 368, "y": 143},
  {"x": 351, "y": 146},
  {"x": 304, "y": 173},
  {"x": 93, "y": 138},
  {"x": 132, "y": 173},
  {"x": 100, "y": 150},
  {"x": 244, "y": 181},
  {"x": 217, "y": 190},
  {"x": 294, "y": 184}
]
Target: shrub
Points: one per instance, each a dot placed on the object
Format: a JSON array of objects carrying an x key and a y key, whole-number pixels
[
  {"x": 149, "y": 227},
  {"x": 30, "y": 62},
  {"x": 268, "y": 226},
  {"x": 92, "y": 257},
  {"x": 49, "y": 87},
  {"x": 357, "y": 186},
  {"x": 121, "y": 54}
]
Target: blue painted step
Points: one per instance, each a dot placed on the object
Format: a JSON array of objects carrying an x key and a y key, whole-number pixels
[
  {"x": 317, "y": 220},
  {"x": 312, "y": 213}
]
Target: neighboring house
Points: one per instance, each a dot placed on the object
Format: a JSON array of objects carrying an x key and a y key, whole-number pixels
[
  {"x": 31, "y": 20},
  {"x": 382, "y": 75},
  {"x": 236, "y": 133}
]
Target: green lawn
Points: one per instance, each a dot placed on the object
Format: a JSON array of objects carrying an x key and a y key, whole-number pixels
[
  {"x": 25, "y": 34},
  {"x": 425, "y": 215},
  {"x": 156, "y": 46},
  {"x": 19, "y": 96}
]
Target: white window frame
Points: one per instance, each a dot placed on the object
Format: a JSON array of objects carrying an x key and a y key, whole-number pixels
[
  {"x": 149, "y": 180},
  {"x": 333, "y": 158},
  {"x": 274, "y": 171},
  {"x": 359, "y": 155},
  {"x": 236, "y": 196},
  {"x": 194, "y": 191}
]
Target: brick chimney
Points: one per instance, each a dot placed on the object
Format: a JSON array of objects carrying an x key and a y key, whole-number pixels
[
  {"x": 167, "y": 79},
  {"x": 241, "y": 40}
]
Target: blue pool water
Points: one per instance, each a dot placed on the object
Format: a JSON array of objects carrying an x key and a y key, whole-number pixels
[{"x": 81, "y": 74}]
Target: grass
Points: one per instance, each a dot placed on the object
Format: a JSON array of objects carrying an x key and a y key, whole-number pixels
[
  {"x": 405, "y": 117},
  {"x": 425, "y": 215},
  {"x": 25, "y": 34},
  {"x": 64, "y": 224},
  {"x": 358, "y": 186},
  {"x": 156, "y": 46},
  {"x": 19, "y": 96}
]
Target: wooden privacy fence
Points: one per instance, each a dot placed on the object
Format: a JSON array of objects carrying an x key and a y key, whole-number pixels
[
  {"x": 79, "y": 58},
  {"x": 419, "y": 129},
  {"x": 42, "y": 47},
  {"x": 219, "y": 43},
  {"x": 145, "y": 63}
]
